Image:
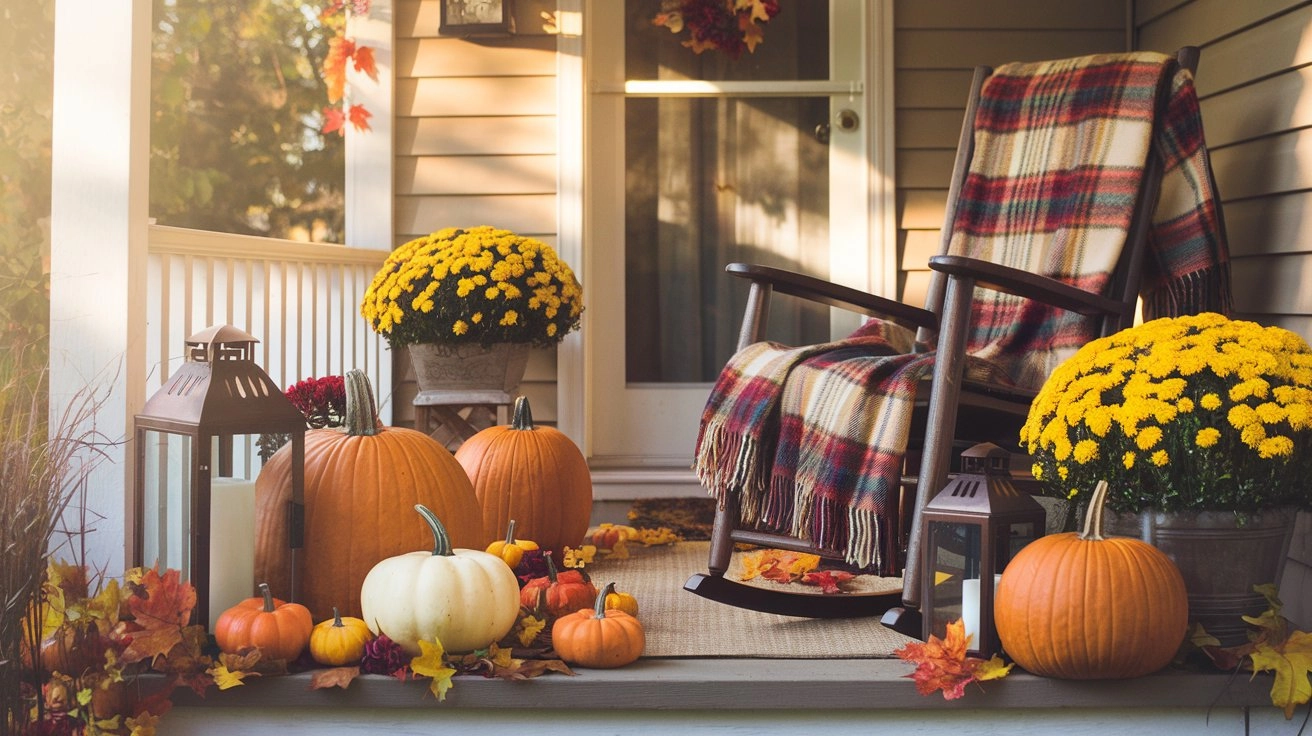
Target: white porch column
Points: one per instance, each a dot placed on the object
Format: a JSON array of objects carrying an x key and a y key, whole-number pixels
[{"x": 98, "y": 235}]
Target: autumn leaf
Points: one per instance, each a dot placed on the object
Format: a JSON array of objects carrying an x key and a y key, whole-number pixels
[
  {"x": 359, "y": 117},
  {"x": 753, "y": 34},
  {"x": 334, "y": 677},
  {"x": 333, "y": 120},
  {"x": 992, "y": 669},
  {"x": 143, "y": 724},
  {"x": 340, "y": 51},
  {"x": 579, "y": 557},
  {"x": 363, "y": 61},
  {"x": 942, "y": 664},
  {"x": 1291, "y": 662},
  {"x": 225, "y": 678},
  {"x": 778, "y": 565},
  {"x": 162, "y": 600},
  {"x": 829, "y": 581},
  {"x": 672, "y": 20},
  {"x": 432, "y": 663}
]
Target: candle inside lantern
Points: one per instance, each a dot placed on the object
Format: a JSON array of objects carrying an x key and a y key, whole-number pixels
[
  {"x": 232, "y": 543},
  {"x": 970, "y": 607}
]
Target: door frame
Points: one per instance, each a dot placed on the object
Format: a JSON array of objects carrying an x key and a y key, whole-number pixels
[{"x": 579, "y": 216}]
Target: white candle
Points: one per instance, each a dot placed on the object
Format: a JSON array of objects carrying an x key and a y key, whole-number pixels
[
  {"x": 232, "y": 543},
  {"x": 970, "y": 610}
]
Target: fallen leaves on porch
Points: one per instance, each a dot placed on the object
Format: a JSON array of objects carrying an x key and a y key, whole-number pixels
[
  {"x": 942, "y": 664},
  {"x": 829, "y": 581},
  {"x": 1273, "y": 646},
  {"x": 778, "y": 565},
  {"x": 432, "y": 663}
]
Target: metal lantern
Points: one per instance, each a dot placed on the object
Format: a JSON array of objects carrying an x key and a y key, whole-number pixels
[
  {"x": 970, "y": 531},
  {"x": 218, "y": 392}
]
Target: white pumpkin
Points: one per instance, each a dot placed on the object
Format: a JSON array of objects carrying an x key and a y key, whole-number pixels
[{"x": 463, "y": 598}]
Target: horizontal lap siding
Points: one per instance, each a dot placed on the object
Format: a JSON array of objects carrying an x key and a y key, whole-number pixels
[
  {"x": 1256, "y": 98},
  {"x": 476, "y": 145},
  {"x": 937, "y": 44}
]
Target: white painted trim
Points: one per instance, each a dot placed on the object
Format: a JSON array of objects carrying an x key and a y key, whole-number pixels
[
  {"x": 573, "y": 394},
  {"x": 99, "y": 193},
  {"x": 707, "y": 88},
  {"x": 881, "y": 111},
  {"x": 369, "y": 157}
]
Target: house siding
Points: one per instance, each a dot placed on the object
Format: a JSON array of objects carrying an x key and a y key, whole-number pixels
[
  {"x": 475, "y": 145},
  {"x": 938, "y": 43},
  {"x": 1255, "y": 91}
]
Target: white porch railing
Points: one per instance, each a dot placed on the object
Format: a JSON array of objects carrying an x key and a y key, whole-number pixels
[{"x": 300, "y": 300}]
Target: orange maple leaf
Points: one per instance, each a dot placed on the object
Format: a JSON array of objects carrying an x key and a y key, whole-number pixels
[
  {"x": 942, "y": 664},
  {"x": 162, "y": 600},
  {"x": 340, "y": 50}
]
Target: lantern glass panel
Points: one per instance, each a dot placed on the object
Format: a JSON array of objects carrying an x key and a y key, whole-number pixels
[
  {"x": 1012, "y": 538},
  {"x": 167, "y": 500},
  {"x": 955, "y": 559}
]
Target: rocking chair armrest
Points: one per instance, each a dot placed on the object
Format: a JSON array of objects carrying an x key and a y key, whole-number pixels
[
  {"x": 1027, "y": 285},
  {"x": 834, "y": 295}
]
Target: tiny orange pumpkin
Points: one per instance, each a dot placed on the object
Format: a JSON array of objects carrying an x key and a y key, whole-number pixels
[
  {"x": 558, "y": 593},
  {"x": 281, "y": 630},
  {"x": 599, "y": 637}
]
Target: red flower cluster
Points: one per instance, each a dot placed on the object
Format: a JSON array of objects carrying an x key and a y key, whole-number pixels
[
  {"x": 321, "y": 400},
  {"x": 727, "y": 25}
]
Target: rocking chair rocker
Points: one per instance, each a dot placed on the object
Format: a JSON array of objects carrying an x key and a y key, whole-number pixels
[{"x": 950, "y": 408}]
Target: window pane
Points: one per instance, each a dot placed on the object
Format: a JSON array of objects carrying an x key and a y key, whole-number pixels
[{"x": 237, "y": 102}]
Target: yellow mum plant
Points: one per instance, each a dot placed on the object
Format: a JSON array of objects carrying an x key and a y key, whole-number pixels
[
  {"x": 1186, "y": 413},
  {"x": 476, "y": 285}
]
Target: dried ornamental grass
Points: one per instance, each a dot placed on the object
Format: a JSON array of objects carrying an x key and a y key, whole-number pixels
[
  {"x": 1188, "y": 413},
  {"x": 41, "y": 473}
]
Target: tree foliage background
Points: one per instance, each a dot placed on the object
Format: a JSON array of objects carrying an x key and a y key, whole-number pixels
[
  {"x": 27, "y": 42},
  {"x": 237, "y": 109}
]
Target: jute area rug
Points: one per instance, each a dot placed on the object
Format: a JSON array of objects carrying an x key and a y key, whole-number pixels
[{"x": 681, "y": 624}]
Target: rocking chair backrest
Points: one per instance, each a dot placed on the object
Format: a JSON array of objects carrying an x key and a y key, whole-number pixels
[{"x": 1126, "y": 278}]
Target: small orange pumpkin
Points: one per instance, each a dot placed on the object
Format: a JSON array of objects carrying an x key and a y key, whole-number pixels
[
  {"x": 281, "y": 630},
  {"x": 535, "y": 475},
  {"x": 511, "y": 550},
  {"x": 599, "y": 637},
  {"x": 1082, "y": 606},
  {"x": 559, "y": 592}
]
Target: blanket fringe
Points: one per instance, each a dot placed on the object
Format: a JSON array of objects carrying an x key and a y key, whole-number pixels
[{"x": 743, "y": 475}]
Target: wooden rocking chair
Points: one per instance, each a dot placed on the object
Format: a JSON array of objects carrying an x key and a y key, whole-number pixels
[{"x": 949, "y": 409}]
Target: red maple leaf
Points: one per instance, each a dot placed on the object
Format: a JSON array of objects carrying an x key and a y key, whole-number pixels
[
  {"x": 830, "y": 581},
  {"x": 161, "y": 606},
  {"x": 363, "y": 61},
  {"x": 359, "y": 117},
  {"x": 333, "y": 120}
]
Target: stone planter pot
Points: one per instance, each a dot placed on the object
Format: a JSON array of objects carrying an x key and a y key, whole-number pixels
[
  {"x": 469, "y": 367},
  {"x": 1221, "y": 556}
]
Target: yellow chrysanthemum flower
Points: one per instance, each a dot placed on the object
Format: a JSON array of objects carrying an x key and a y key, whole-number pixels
[{"x": 1207, "y": 437}]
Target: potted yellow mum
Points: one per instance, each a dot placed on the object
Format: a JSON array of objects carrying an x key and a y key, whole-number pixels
[
  {"x": 1201, "y": 425},
  {"x": 461, "y": 292}
]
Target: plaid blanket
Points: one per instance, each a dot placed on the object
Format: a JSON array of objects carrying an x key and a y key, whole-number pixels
[{"x": 811, "y": 439}]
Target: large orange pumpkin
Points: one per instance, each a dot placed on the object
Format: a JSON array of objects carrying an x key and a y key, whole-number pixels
[
  {"x": 356, "y": 479},
  {"x": 534, "y": 475},
  {"x": 1082, "y": 606}
]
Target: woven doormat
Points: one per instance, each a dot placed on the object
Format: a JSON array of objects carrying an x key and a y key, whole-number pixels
[
  {"x": 681, "y": 624},
  {"x": 690, "y": 518}
]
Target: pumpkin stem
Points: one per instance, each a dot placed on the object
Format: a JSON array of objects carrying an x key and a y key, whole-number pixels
[
  {"x": 337, "y": 619},
  {"x": 361, "y": 411},
  {"x": 441, "y": 542},
  {"x": 510, "y": 533},
  {"x": 551, "y": 570},
  {"x": 600, "y": 608},
  {"x": 523, "y": 418},
  {"x": 268, "y": 597},
  {"x": 1093, "y": 517}
]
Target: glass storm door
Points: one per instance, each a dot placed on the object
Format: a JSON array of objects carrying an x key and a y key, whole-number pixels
[{"x": 700, "y": 160}]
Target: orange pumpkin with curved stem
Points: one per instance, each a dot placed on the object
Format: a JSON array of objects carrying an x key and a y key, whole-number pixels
[
  {"x": 281, "y": 630},
  {"x": 356, "y": 478},
  {"x": 558, "y": 592},
  {"x": 533, "y": 474},
  {"x": 1084, "y": 606},
  {"x": 599, "y": 636}
]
